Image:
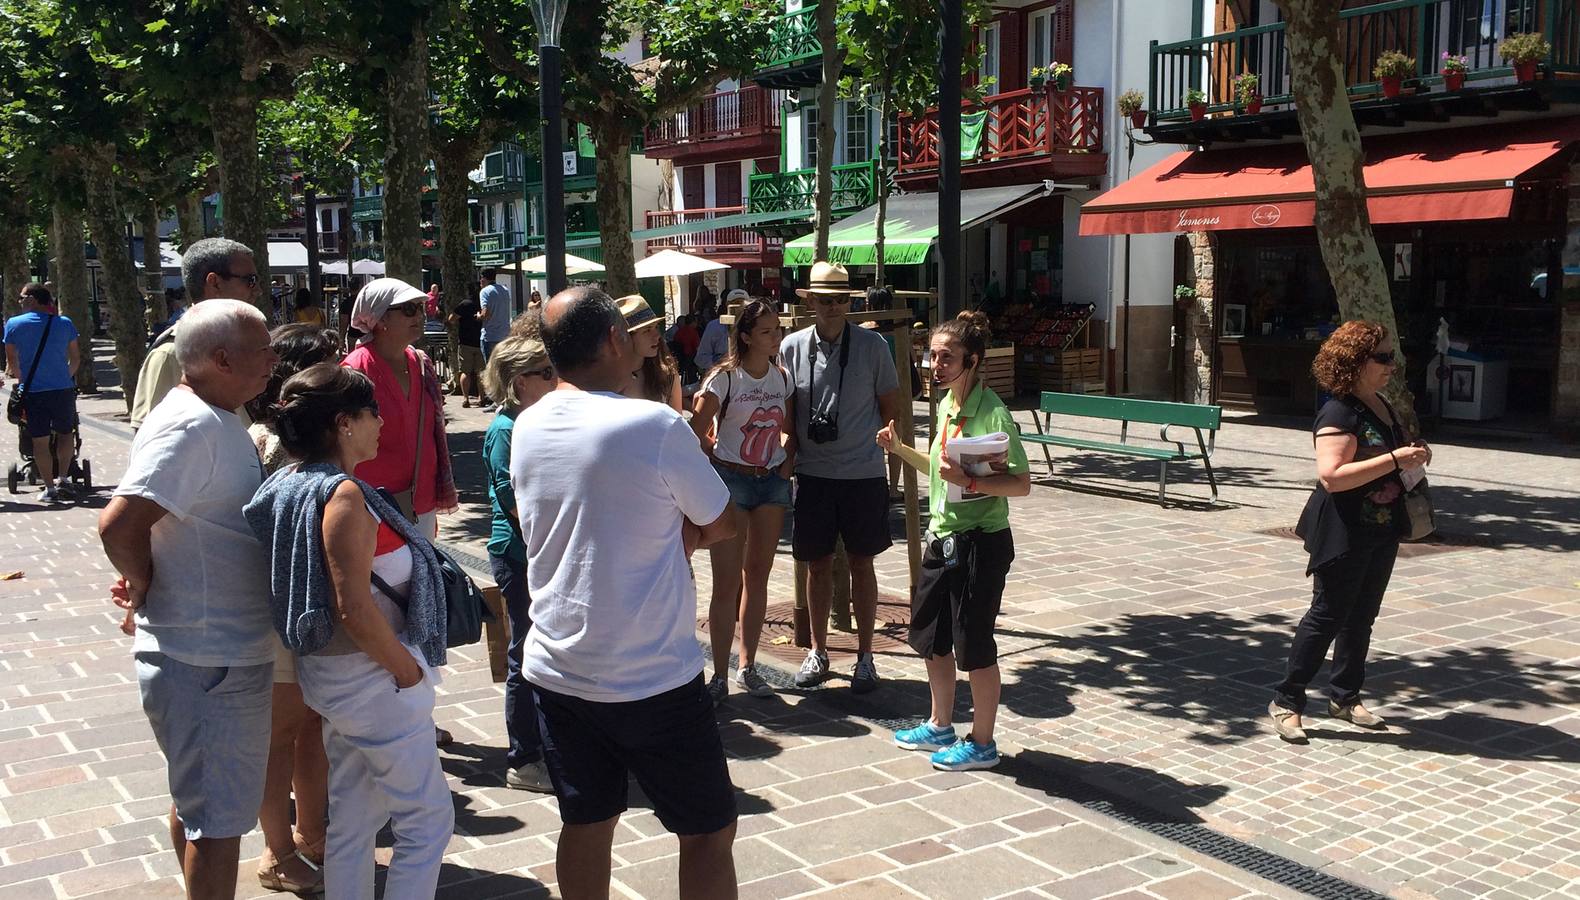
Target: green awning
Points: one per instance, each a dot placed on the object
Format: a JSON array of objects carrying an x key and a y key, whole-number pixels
[
  {"x": 910, "y": 226},
  {"x": 744, "y": 220}
]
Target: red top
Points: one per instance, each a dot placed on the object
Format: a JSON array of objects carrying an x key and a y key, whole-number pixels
[
  {"x": 689, "y": 338},
  {"x": 391, "y": 469}
]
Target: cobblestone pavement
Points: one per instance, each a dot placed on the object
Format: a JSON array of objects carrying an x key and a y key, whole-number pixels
[{"x": 1139, "y": 646}]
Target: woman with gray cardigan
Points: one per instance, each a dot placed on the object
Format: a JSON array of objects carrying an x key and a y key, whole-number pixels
[{"x": 367, "y": 656}]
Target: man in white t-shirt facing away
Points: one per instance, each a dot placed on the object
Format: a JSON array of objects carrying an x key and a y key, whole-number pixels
[
  {"x": 614, "y": 494},
  {"x": 198, "y": 581}
]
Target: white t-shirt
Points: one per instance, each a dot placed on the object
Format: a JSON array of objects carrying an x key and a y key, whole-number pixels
[
  {"x": 749, "y": 431},
  {"x": 208, "y": 604},
  {"x": 603, "y": 484}
]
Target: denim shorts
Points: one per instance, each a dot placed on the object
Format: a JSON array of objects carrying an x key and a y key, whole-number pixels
[
  {"x": 212, "y": 722},
  {"x": 751, "y": 491}
]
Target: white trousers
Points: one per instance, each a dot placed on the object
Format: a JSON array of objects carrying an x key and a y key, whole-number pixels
[{"x": 383, "y": 767}]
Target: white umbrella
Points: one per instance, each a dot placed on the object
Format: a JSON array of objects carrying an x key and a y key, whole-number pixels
[
  {"x": 667, "y": 263},
  {"x": 360, "y": 267},
  {"x": 574, "y": 265}
]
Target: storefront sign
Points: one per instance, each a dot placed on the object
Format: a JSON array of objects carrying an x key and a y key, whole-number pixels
[
  {"x": 1266, "y": 215},
  {"x": 1189, "y": 221}
]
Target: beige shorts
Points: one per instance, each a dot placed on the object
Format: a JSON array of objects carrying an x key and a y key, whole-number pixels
[
  {"x": 471, "y": 361},
  {"x": 284, "y": 663}
]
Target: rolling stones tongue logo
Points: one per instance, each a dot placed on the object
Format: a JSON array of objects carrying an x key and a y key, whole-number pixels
[{"x": 760, "y": 435}]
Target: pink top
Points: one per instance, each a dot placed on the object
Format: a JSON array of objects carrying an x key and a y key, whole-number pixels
[{"x": 391, "y": 469}]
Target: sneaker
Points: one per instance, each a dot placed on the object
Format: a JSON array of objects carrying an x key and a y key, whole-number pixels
[
  {"x": 718, "y": 688},
  {"x": 49, "y": 494},
  {"x": 1356, "y": 714},
  {"x": 864, "y": 679},
  {"x": 963, "y": 756},
  {"x": 752, "y": 683},
  {"x": 1287, "y": 723},
  {"x": 532, "y": 776},
  {"x": 813, "y": 670},
  {"x": 925, "y": 736}
]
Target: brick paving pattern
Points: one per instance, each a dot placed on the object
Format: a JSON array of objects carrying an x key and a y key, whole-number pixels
[{"x": 1139, "y": 645}]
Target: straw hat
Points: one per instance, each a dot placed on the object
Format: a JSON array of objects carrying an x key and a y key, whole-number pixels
[
  {"x": 637, "y": 313},
  {"x": 827, "y": 279}
]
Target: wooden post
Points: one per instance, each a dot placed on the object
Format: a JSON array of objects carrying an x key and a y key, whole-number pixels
[{"x": 906, "y": 434}]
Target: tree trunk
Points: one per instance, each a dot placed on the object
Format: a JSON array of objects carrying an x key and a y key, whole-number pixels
[
  {"x": 612, "y": 143},
  {"x": 1333, "y": 144},
  {"x": 153, "y": 264},
  {"x": 405, "y": 157},
  {"x": 189, "y": 221},
  {"x": 823, "y": 196},
  {"x": 235, "y": 126},
  {"x": 13, "y": 257},
  {"x": 106, "y": 223},
  {"x": 451, "y": 163},
  {"x": 71, "y": 283}
]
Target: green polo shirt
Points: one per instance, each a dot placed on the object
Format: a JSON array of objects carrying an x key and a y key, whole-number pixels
[{"x": 984, "y": 413}]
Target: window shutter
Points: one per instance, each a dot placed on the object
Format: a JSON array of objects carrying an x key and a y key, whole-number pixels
[{"x": 1064, "y": 32}]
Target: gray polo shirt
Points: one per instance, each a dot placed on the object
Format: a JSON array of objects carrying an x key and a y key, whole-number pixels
[{"x": 817, "y": 386}]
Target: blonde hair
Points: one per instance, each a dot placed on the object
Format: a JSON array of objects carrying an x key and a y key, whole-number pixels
[{"x": 512, "y": 357}]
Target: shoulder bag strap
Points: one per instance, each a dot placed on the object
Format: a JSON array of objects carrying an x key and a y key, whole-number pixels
[
  {"x": 422, "y": 412},
  {"x": 38, "y": 356}
]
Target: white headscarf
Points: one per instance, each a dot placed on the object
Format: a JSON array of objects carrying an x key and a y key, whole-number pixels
[{"x": 376, "y": 298}]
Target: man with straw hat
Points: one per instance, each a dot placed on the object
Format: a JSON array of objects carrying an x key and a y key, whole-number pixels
[{"x": 846, "y": 389}]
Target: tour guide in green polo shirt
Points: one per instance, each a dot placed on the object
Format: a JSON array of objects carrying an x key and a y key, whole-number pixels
[{"x": 969, "y": 550}]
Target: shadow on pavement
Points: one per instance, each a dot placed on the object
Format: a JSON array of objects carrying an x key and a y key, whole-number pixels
[
  {"x": 465, "y": 883},
  {"x": 1167, "y": 798},
  {"x": 1507, "y": 519}
]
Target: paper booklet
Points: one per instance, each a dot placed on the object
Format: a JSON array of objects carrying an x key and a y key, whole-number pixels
[{"x": 975, "y": 455}]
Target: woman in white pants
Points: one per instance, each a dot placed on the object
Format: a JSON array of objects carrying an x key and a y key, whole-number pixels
[{"x": 367, "y": 655}]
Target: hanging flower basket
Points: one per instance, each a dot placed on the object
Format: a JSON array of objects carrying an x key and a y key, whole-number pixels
[
  {"x": 1196, "y": 100},
  {"x": 1138, "y": 119},
  {"x": 1454, "y": 67}
]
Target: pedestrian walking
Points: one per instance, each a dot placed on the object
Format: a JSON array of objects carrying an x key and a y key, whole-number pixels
[
  {"x": 687, "y": 340},
  {"x": 1351, "y": 524},
  {"x": 494, "y": 303},
  {"x": 613, "y": 497},
  {"x": 469, "y": 341},
  {"x": 292, "y": 859},
  {"x": 357, "y": 594},
  {"x": 519, "y": 373},
  {"x": 969, "y": 549},
  {"x": 307, "y": 310},
  {"x": 846, "y": 388},
  {"x": 749, "y": 398},
  {"x": 714, "y": 343},
  {"x": 42, "y": 355},
  {"x": 198, "y": 581},
  {"x": 657, "y": 378},
  {"x": 210, "y": 268}
]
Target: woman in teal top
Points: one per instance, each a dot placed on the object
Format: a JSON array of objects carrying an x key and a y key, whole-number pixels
[
  {"x": 969, "y": 550},
  {"x": 519, "y": 374}
]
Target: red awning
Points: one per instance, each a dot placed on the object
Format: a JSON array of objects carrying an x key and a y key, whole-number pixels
[{"x": 1444, "y": 176}]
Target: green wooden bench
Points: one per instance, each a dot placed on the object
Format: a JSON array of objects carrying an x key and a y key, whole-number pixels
[{"x": 1198, "y": 418}]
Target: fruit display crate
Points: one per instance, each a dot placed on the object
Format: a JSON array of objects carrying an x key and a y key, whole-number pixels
[{"x": 1071, "y": 371}]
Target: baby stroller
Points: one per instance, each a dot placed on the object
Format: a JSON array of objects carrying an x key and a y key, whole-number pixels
[{"x": 80, "y": 473}]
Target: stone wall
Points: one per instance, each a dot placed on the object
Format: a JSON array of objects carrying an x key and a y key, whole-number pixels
[
  {"x": 1199, "y": 318},
  {"x": 1566, "y": 383}
]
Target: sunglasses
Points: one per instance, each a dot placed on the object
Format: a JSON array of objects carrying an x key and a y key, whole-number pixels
[
  {"x": 823, "y": 300},
  {"x": 251, "y": 280},
  {"x": 546, "y": 373},
  {"x": 1382, "y": 359},
  {"x": 406, "y": 309}
]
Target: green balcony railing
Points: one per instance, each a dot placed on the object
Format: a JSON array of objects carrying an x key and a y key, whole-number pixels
[
  {"x": 367, "y": 209},
  {"x": 499, "y": 184},
  {"x": 855, "y": 188},
  {"x": 793, "y": 41},
  {"x": 1423, "y": 29},
  {"x": 586, "y": 244}
]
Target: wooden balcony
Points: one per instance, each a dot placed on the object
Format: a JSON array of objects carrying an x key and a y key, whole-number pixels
[
  {"x": 855, "y": 188},
  {"x": 732, "y": 244},
  {"x": 794, "y": 57},
  {"x": 740, "y": 124},
  {"x": 1026, "y": 135},
  {"x": 1422, "y": 29}
]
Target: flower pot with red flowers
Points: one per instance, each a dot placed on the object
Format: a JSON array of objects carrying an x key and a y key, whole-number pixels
[
  {"x": 1131, "y": 104},
  {"x": 1197, "y": 102},
  {"x": 1454, "y": 69},
  {"x": 1248, "y": 92},
  {"x": 1524, "y": 52},
  {"x": 1392, "y": 68}
]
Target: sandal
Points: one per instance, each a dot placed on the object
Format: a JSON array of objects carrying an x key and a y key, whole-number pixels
[
  {"x": 442, "y": 738},
  {"x": 275, "y": 878},
  {"x": 308, "y": 850}
]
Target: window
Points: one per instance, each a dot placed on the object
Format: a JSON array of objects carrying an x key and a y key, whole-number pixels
[
  {"x": 1041, "y": 39},
  {"x": 858, "y": 137},
  {"x": 987, "y": 70},
  {"x": 809, "y": 136}
]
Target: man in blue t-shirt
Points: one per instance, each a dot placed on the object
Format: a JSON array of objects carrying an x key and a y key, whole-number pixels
[
  {"x": 495, "y": 313},
  {"x": 40, "y": 338}
]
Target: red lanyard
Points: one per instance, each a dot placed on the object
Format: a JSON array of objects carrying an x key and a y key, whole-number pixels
[{"x": 960, "y": 426}]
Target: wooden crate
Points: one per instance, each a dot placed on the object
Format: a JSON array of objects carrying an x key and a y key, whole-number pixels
[{"x": 998, "y": 371}]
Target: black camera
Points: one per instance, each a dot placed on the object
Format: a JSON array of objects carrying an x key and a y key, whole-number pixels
[{"x": 821, "y": 429}]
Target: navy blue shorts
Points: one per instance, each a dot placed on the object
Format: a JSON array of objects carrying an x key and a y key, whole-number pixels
[
  {"x": 669, "y": 742},
  {"x": 50, "y": 411}
]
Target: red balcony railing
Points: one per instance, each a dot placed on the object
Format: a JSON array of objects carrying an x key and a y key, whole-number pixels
[
  {"x": 729, "y": 240},
  {"x": 747, "y": 112},
  {"x": 1020, "y": 125}
]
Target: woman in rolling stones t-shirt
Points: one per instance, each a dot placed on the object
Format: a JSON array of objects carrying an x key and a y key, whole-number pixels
[{"x": 748, "y": 396}]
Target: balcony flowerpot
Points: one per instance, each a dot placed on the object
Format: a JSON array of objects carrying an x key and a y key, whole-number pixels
[
  {"x": 1198, "y": 111},
  {"x": 1035, "y": 82},
  {"x": 1525, "y": 72},
  {"x": 1138, "y": 119},
  {"x": 1253, "y": 105},
  {"x": 1453, "y": 81},
  {"x": 1063, "y": 82},
  {"x": 1392, "y": 85}
]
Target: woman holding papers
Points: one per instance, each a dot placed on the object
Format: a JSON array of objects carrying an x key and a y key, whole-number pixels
[{"x": 976, "y": 463}]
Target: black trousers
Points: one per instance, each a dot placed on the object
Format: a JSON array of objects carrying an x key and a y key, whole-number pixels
[{"x": 1346, "y": 596}]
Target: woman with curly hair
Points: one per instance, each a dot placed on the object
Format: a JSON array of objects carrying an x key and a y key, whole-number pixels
[{"x": 1351, "y": 524}]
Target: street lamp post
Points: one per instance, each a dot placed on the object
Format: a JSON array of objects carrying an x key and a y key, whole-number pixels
[
  {"x": 951, "y": 295},
  {"x": 550, "y": 17}
]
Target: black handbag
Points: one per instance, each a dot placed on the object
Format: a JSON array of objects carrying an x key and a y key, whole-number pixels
[
  {"x": 464, "y": 608},
  {"x": 14, "y": 413}
]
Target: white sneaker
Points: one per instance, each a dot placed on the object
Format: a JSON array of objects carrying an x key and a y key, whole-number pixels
[
  {"x": 533, "y": 776},
  {"x": 814, "y": 670},
  {"x": 752, "y": 683},
  {"x": 49, "y": 494}
]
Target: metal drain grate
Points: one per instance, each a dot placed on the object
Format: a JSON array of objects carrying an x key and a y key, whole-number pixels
[{"x": 1437, "y": 543}]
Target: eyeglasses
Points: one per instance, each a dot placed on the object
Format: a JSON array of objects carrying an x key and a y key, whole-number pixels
[
  {"x": 825, "y": 300},
  {"x": 1382, "y": 359},
  {"x": 251, "y": 280},
  {"x": 546, "y": 373},
  {"x": 406, "y": 309}
]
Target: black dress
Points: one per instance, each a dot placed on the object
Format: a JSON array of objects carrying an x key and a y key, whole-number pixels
[{"x": 1370, "y": 514}]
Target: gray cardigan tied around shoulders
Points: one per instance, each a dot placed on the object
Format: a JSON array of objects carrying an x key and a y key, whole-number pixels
[{"x": 287, "y": 515}]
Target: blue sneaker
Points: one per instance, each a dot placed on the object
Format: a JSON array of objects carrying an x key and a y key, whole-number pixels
[
  {"x": 925, "y": 736},
  {"x": 963, "y": 756}
]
